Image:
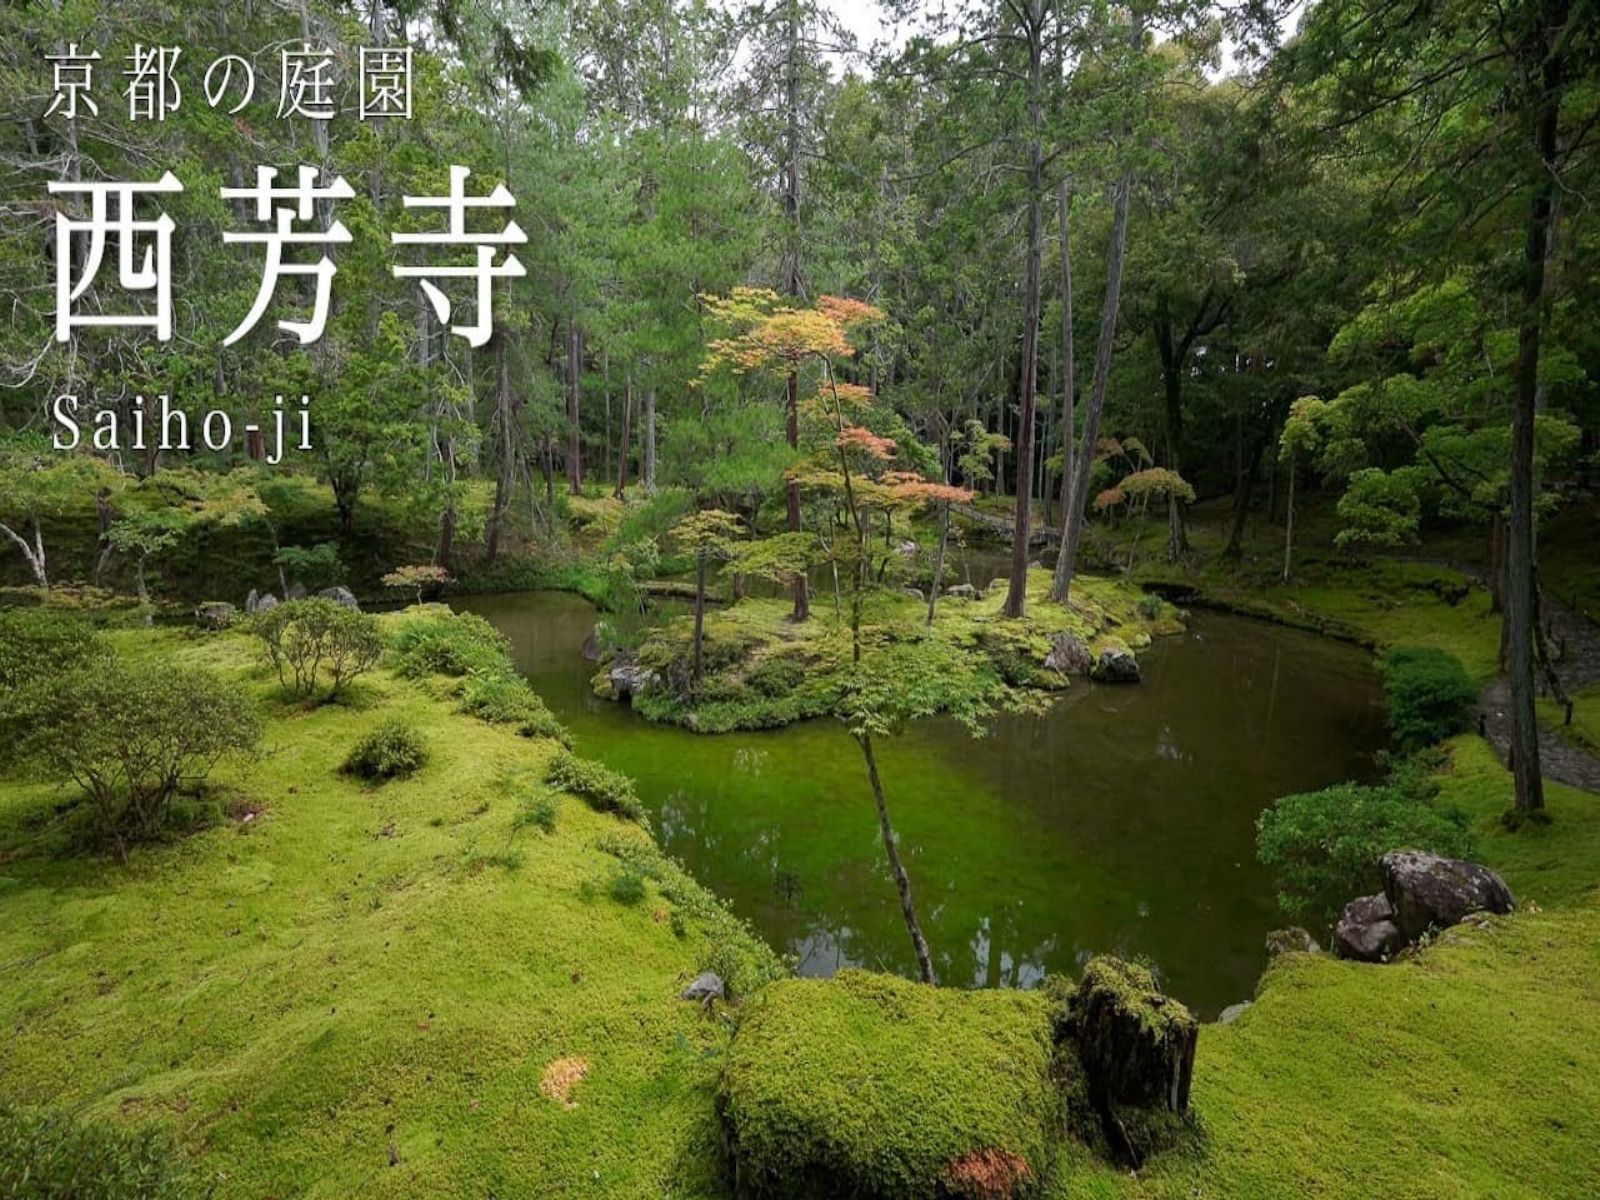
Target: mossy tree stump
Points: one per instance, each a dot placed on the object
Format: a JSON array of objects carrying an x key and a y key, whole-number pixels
[{"x": 1136, "y": 1047}]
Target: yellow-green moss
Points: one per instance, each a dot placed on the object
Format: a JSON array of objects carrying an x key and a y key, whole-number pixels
[{"x": 873, "y": 1086}]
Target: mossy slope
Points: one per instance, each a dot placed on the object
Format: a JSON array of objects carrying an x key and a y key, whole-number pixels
[{"x": 357, "y": 992}]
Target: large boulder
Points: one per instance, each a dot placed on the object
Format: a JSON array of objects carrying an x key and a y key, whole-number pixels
[
  {"x": 340, "y": 595},
  {"x": 629, "y": 679},
  {"x": 706, "y": 987},
  {"x": 297, "y": 591},
  {"x": 962, "y": 591},
  {"x": 1428, "y": 891},
  {"x": 265, "y": 604},
  {"x": 1366, "y": 931},
  {"x": 1116, "y": 664},
  {"x": 1068, "y": 654},
  {"x": 215, "y": 614},
  {"x": 1293, "y": 940}
]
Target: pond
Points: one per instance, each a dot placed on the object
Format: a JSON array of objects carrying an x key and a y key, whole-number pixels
[{"x": 1123, "y": 820}]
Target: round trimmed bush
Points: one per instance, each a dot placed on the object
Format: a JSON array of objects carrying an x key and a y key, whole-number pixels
[
  {"x": 1430, "y": 695},
  {"x": 394, "y": 750}
]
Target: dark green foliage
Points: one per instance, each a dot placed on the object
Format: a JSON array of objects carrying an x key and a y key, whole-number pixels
[
  {"x": 869, "y": 1085},
  {"x": 627, "y": 885},
  {"x": 1430, "y": 695},
  {"x": 445, "y": 643},
  {"x": 776, "y": 675},
  {"x": 394, "y": 750},
  {"x": 46, "y": 1154},
  {"x": 38, "y": 642},
  {"x": 303, "y": 639},
  {"x": 599, "y": 786},
  {"x": 132, "y": 737},
  {"x": 508, "y": 700},
  {"x": 1324, "y": 846},
  {"x": 539, "y": 811},
  {"x": 468, "y": 647}
]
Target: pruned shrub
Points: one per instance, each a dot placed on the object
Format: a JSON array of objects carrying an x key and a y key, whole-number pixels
[
  {"x": 47, "y": 1154},
  {"x": 869, "y": 1085},
  {"x": 394, "y": 750},
  {"x": 303, "y": 639},
  {"x": 1429, "y": 693},
  {"x": 603, "y": 789},
  {"x": 132, "y": 737},
  {"x": 539, "y": 811},
  {"x": 508, "y": 700},
  {"x": 36, "y": 643},
  {"x": 1324, "y": 846},
  {"x": 447, "y": 643},
  {"x": 627, "y": 885}
]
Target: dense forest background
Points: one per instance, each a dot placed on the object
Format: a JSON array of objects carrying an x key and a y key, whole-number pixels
[{"x": 1204, "y": 250}]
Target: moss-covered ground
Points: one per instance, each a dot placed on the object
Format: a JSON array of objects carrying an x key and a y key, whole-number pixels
[
  {"x": 339, "y": 991},
  {"x": 762, "y": 670}
]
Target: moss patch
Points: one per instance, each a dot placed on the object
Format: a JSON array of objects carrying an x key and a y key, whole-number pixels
[{"x": 869, "y": 1085}]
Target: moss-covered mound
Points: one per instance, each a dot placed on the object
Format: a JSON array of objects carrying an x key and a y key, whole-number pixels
[
  {"x": 868, "y": 1085},
  {"x": 760, "y": 670}
]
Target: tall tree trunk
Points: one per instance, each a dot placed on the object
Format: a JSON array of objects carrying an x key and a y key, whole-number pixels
[
  {"x": 574, "y": 410},
  {"x": 1544, "y": 64},
  {"x": 505, "y": 481},
  {"x": 627, "y": 431},
  {"x": 1288, "y": 521},
  {"x": 902, "y": 881},
  {"x": 650, "y": 439},
  {"x": 1073, "y": 533},
  {"x": 1069, "y": 375},
  {"x": 699, "y": 614},
  {"x": 791, "y": 278},
  {"x": 1244, "y": 485},
  {"x": 1172, "y": 364},
  {"x": 1022, "y": 528}
]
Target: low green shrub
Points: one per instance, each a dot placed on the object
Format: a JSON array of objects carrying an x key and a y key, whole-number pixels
[
  {"x": 627, "y": 885},
  {"x": 304, "y": 638},
  {"x": 1429, "y": 693},
  {"x": 538, "y": 811},
  {"x": 603, "y": 789},
  {"x": 47, "y": 1154},
  {"x": 394, "y": 750},
  {"x": 870, "y": 1085},
  {"x": 446, "y": 643},
  {"x": 1324, "y": 846},
  {"x": 508, "y": 700},
  {"x": 131, "y": 738},
  {"x": 36, "y": 643}
]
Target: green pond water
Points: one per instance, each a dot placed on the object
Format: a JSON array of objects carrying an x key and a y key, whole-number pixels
[{"x": 1123, "y": 820}]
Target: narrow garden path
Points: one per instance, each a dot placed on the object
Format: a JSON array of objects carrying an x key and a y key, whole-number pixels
[{"x": 1575, "y": 644}]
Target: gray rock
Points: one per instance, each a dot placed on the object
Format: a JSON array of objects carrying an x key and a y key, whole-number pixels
[
  {"x": 218, "y": 614},
  {"x": 266, "y": 603},
  {"x": 906, "y": 549},
  {"x": 1068, "y": 654},
  {"x": 1366, "y": 931},
  {"x": 1115, "y": 665},
  {"x": 962, "y": 591},
  {"x": 297, "y": 591},
  {"x": 1291, "y": 940},
  {"x": 340, "y": 595},
  {"x": 591, "y": 645},
  {"x": 1233, "y": 1012},
  {"x": 251, "y": 601},
  {"x": 916, "y": 594},
  {"x": 1428, "y": 891},
  {"x": 706, "y": 987},
  {"x": 630, "y": 679}
]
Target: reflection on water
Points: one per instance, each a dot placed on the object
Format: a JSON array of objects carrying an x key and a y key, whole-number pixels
[{"x": 1122, "y": 820}]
